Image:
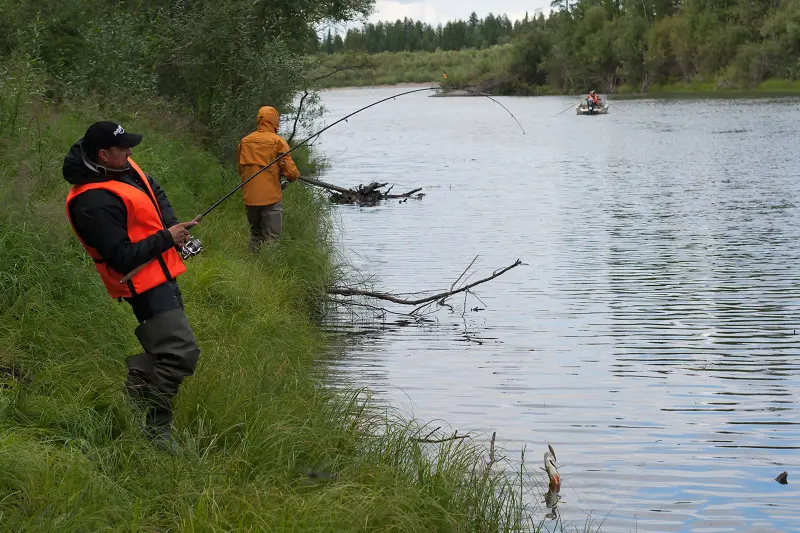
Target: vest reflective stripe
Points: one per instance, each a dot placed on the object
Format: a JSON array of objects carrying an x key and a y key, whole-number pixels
[{"x": 144, "y": 220}]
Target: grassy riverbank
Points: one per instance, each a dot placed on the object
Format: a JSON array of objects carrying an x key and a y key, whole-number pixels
[{"x": 256, "y": 418}]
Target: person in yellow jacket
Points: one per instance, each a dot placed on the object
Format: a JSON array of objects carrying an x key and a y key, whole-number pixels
[{"x": 263, "y": 196}]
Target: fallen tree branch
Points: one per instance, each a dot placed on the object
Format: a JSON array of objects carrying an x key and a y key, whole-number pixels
[
  {"x": 430, "y": 433},
  {"x": 324, "y": 185},
  {"x": 420, "y": 301},
  {"x": 362, "y": 195},
  {"x": 404, "y": 195},
  {"x": 453, "y": 286},
  {"x": 366, "y": 306}
]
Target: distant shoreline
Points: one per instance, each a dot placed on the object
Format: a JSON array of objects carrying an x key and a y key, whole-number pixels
[
  {"x": 385, "y": 86},
  {"x": 657, "y": 92}
]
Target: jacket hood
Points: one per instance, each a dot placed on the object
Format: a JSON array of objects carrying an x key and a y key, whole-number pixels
[
  {"x": 78, "y": 170},
  {"x": 268, "y": 119},
  {"x": 75, "y": 168}
]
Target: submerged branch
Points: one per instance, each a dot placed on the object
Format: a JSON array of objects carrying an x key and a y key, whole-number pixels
[
  {"x": 420, "y": 301},
  {"x": 362, "y": 195}
]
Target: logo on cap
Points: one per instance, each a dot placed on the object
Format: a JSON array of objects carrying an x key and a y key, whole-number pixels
[{"x": 119, "y": 131}]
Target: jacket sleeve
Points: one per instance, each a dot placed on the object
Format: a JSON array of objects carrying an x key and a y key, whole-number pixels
[
  {"x": 101, "y": 221},
  {"x": 167, "y": 213},
  {"x": 286, "y": 164},
  {"x": 240, "y": 164}
]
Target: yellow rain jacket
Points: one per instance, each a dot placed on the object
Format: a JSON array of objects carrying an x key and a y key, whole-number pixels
[{"x": 258, "y": 150}]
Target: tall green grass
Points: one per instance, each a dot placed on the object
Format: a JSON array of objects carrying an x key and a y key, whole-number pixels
[{"x": 270, "y": 447}]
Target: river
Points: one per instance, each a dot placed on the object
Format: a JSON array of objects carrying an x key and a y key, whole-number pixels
[{"x": 651, "y": 336}]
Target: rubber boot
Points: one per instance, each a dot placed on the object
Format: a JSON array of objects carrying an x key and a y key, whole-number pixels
[
  {"x": 155, "y": 409},
  {"x": 169, "y": 340},
  {"x": 137, "y": 384},
  {"x": 140, "y": 370}
]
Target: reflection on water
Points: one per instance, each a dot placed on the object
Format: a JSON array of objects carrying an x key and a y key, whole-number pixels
[
  {"x": 651, "y": 336},
  {"x": 551, "y": 499}
]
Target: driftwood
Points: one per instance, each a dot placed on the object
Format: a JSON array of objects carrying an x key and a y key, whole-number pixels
[
  {"x": 362, "y": 195},
  {"x": 440, "y": 297}
]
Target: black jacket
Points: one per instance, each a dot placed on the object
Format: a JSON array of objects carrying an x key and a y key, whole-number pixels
[{"x": 101, "y": 220}]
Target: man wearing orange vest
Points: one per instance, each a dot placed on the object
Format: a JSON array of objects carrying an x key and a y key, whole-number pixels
[
  {"x": 124, "y": 221},
  {"x": 263, "y": 195}
]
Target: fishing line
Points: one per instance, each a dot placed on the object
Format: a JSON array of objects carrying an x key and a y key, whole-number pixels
[
  {"x": 567, "y": 109},
  {"x": 343, "y": 119}
]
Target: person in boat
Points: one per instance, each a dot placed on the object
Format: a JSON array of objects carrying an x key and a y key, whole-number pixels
[{"x": 592, "y": 100}]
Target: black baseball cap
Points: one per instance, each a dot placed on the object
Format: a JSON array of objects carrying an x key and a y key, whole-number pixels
[{"x": 105, "y": 134}]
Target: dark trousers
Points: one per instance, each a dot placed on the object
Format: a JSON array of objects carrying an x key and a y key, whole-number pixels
[
  {"x": 265, "y": 222},
  {"x": 157, "y": 300}
]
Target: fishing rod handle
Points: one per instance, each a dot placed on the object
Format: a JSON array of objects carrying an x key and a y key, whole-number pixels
[{"x": 127, "y": 277}]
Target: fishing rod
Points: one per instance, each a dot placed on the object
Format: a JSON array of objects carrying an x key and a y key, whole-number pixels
[
  {"x": 195, "y": 248},
  {"x": 343, "y": 119},
  {"x": 567, "y": 109}
]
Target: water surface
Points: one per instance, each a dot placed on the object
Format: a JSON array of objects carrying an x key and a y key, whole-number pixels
[{"x": 651, "y": 336}]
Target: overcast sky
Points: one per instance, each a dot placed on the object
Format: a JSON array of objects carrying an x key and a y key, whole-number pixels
[{"x": 435, "y": 11}]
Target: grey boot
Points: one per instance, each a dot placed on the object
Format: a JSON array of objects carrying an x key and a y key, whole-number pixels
[{"x": 169, "y": 340}]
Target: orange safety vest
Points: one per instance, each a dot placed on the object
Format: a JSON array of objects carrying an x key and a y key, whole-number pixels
[{"x": 144, "y": 220}]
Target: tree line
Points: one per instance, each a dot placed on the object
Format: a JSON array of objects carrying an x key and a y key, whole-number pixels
[
  {"x": 606, "y": 44},
  {"x": 610, "y": 45},
  {"x": 408, "y": 35}
]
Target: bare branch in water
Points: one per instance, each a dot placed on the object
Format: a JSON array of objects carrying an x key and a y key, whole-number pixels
[
  {"x": 362, "y": 195},
  {"x": 440, "y": 297},
  {"x": 381, "y": 310},
  {"x": 465, "y": 271}
]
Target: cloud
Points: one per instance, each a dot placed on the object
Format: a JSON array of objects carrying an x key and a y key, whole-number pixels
[
  {"x": 436, "y": 11},
  {"x": 394, "y": 9}
]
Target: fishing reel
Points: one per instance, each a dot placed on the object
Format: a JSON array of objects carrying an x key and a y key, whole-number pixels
[{"x": 192, "y": 247}]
